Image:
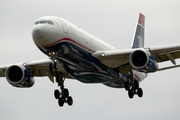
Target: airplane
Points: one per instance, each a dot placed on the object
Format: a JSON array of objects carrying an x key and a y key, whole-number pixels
[{"x": 75, "y": 54}]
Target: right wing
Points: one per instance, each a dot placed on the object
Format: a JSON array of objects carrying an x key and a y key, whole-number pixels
[{"x": 38, "y": 68}]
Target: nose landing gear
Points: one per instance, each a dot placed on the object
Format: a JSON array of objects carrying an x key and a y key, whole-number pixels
[
  {"x": 63, "y": 94},
  {"x": 63, "y": 97}
]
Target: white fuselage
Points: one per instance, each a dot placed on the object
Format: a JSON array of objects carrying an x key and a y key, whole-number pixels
[
  {"x": 74, "y": 48},
  {"x": 46, "y": 34}
]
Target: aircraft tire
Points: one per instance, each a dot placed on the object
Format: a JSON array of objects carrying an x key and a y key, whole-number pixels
[
  {"x": 56, "y": 94},
  {"x": 127, "y": 86},
  {"x": 70, "y": 101},
  {"x": 131, "y": 93},
  {"x": 140, "y": 92},
  {"x": 66, "y": 93},
  {"x": 61, "y": 101}
]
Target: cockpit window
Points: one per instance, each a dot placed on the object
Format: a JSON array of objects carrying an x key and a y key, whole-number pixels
[
  {"x": 44, "y": 22},
  {"x": 36, "y": 22},
  {"x": 50, "y": 22}
]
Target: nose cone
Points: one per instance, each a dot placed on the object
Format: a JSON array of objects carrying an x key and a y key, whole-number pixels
[
  {"x": 39, "y": 34},
  {"x": 44, "y": 34}
]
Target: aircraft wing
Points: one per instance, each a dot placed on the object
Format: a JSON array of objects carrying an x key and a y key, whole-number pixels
[
  {"x": 120, "y": 58},
  {"x": 38, "y": 68},
  {"x": 166, "y": 52}
]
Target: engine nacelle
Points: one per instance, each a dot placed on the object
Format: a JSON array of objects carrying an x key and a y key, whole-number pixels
[
  {"x": 19, "y": 76},
  {"x": 143, "y": 61}
]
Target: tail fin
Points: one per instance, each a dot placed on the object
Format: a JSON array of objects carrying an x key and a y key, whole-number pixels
[{"x": 138, "y": 40}]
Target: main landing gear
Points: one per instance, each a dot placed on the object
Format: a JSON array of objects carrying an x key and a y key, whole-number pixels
[
  {"x": 132, "y": 85},
  {"x": 63, "y": 94},
  {"x": 133, "y": 88},
  {"x": 63, "y": 97}
]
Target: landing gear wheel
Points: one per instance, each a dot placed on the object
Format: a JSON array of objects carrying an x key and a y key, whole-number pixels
[
  {"x": 66, "y": 93},
  {"x": 70, "y": 101},
  {"x": 63, "y": 94},
  {"x": 136, "y": 84},
  {"x": 127, "y": 85},
  {"x": 140, "y": 92},
  {"x": 131, "y": 93},
  {"x": 61, "y": 101},
  {"x": 56, "y": 94}
]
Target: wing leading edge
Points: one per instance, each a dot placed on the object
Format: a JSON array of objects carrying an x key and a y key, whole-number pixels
[{"x": 38, "y": 68}]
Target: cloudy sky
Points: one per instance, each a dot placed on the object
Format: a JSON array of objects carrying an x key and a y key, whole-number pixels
[{"x": 114, "y": 22}]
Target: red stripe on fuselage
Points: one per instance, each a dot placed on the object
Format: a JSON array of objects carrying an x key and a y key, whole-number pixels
[
  {"x": 68, "y": 39},
  {"x": 136, "y": 76}
]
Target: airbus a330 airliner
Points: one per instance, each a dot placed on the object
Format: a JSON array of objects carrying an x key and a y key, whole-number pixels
[{"x": 75, "y": 54}]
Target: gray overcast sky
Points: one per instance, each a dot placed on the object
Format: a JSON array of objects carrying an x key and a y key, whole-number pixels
[{"x": 114, "y": 22}]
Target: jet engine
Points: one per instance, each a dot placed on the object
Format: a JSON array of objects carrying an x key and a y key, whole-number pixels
[
  {"x": 19, "y": 76},
  {"x": 143, "y": 61}
]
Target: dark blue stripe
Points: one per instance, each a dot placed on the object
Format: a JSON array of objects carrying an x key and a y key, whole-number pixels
[{"x": 138, "y": 35}]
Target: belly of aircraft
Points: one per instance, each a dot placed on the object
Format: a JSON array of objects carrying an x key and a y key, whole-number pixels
[{"x": 81, "y": 65}]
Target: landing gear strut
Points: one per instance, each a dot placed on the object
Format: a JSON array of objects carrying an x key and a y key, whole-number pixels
[
  {"x": 63, "y": 94},
  {"x": 132, "y": 86}
]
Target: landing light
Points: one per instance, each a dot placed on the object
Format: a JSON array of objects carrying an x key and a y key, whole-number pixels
[
  {"x": 103, "y": 55},
  {"x": 53, "y": 53}
]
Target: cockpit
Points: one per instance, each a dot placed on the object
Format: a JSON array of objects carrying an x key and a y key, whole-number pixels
[{"x": 44, "y": 22}]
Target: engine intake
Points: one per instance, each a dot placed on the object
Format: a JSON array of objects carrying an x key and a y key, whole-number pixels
[
  {"x": 143, "y": 61},
  {"x": 19, "y": 76}
]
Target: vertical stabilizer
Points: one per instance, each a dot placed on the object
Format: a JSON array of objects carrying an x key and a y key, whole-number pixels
[{"x": 138, "y": 40}]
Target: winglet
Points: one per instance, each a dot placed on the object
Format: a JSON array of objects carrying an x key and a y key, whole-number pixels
[{"x": 138, "y": 40}]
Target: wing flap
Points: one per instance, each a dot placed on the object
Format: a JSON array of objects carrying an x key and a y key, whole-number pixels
[
  {"x": 169, "y": 67},
  {"x": 166, "y": 52},
  {"x": 2, "y": 73}
]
